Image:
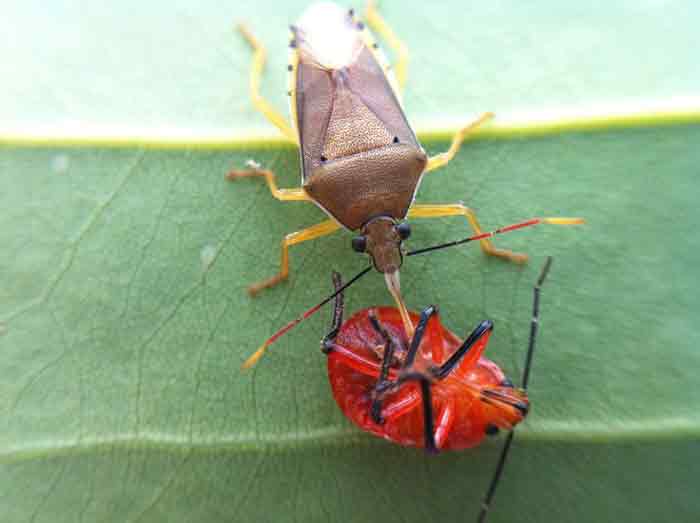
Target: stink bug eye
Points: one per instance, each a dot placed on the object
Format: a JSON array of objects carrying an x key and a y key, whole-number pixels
[
  {"x": 404, "y": 230},
  {"x": 359, "y": 244}
]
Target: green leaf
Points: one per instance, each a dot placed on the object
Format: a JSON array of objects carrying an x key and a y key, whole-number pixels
[{"x": 124, "y": 317}]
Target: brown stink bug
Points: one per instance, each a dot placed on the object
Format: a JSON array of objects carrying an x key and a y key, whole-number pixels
[{"x": 361, "y": 162}]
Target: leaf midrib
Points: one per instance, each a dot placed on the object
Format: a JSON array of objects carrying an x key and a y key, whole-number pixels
[
  {"x": 568, "y": 432},
  {"x": 500, "y": 129}
]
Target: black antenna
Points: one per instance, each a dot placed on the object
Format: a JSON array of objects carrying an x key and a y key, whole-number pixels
[
  {"x": 337, "y": 316},
  {"x": 501, "y": 230},
  {"x": 485, "y": 505},
  {"x": 253, "y": 359}
]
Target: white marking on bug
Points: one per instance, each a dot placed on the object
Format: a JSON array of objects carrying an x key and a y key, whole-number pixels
[
  {"x": 60, "y": 163},
  {"x": 327, "y": 36},
  {"x": 207, "y": 256},
  {"x": 252, "y": 164}
]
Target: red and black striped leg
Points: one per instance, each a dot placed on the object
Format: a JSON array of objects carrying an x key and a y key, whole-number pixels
[
  {"x": 481, "y": 330},
  {"x": 382, "y": 382},
  {"x": 425, "y": 316},
  {"x": 337, "y": 317},
  {"x": 429, "y": 430},
  {"x": 534, "y": 322}
]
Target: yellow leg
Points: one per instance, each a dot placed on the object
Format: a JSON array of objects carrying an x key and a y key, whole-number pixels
[
  {"x": 379, "y": 26},
  {"x": 457, "y": 209},
  {"x": 316, "y": 231},
  {"x": 254, "y": 169},
  {"x": 442, "y": 159},
  {"x": 256, "y": 70}
]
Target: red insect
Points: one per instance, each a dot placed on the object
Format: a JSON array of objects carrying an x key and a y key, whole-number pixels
[{"x": 433, "y": 391}]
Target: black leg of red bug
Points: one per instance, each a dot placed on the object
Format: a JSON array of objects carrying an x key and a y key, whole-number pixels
[
  {"x": 441, "y": 372},
  {"x": 429, "y": 431},
  {"x": 426, "y": 395},
  {"x": 427, "y": 401},
  {"x": 425, "y": 316},
  {"x": 481, "y": 330},
  {"x": 525, "y": 378},
  {"x": 337, "y": 317},
  {"x": 376, "y": 408},
  {"x": 384, "y": 384},
  {"x": 534, "y": 323}
]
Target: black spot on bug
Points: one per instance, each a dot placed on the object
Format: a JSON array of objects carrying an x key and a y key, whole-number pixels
[
  {"x": 327, "y": 345},
  {"x": 351, "y": 12},
  {"x": 491, "y": 429},
  {"x": 360, "y": 26},
  {"x": 359, "y": 244},
  {"x": 289, "y": 67},
  {"x": 375, "y": 45},
  {"x": 396, "y": 139},
  {"x": 292, "y": 43},
  {"x": 324, "y": 159},
  {"x": 404, "y": 230},
  {"x": 289, "y": 93}
]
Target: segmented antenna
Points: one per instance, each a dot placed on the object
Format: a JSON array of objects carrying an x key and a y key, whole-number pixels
[
  {"x": 501, "y": 230},
  {"x": 253, "y": 359},
  {"x": 534, "y": 322}
]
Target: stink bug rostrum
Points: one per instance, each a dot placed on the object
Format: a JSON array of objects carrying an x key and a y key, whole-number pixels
[
  {"x": 433, "y": 390},
  {"x": 361, "y": 162}
]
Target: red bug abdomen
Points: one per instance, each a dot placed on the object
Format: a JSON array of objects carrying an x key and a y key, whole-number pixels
[{"x": 353, "y": 381}]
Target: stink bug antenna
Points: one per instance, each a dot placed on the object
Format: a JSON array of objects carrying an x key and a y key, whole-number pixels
[
  {"x": 501, "y": 230},
  {"x": 534, "y": 322},
  {"x": 253, "y": 359}
]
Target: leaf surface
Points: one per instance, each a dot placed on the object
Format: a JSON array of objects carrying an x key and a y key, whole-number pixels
[{"x": 124, "y": 317}]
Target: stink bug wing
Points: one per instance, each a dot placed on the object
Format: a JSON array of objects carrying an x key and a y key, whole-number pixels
[
  {"x": 342, "y": 101},
  {"x": 367, "y": 77},
  {"x": 313, "y": 104}
]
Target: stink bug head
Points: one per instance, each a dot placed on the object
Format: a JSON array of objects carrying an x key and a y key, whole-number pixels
[{"x": 383, "y": 237}]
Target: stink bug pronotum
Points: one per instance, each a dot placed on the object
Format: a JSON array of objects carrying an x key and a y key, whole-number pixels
[
  {"x": 360, "y": 160},
  {"x": 433, "y": 390}
]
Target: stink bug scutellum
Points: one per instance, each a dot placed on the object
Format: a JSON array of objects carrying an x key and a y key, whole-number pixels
[
  {"x": 433, "y": 390},
  {"x": 361, "y": 162}
]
